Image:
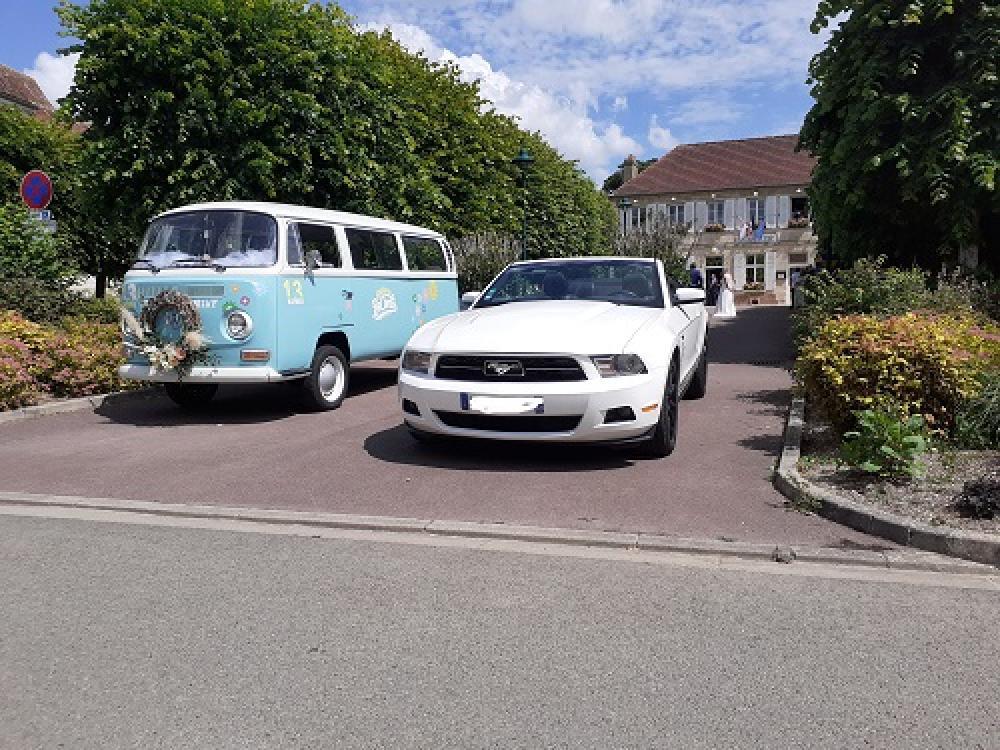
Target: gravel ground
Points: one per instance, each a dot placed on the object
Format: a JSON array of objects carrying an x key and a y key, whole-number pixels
[{"x": 929, "y": 499}]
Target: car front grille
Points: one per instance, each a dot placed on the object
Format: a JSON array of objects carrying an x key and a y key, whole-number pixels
[
  {"x": 506, "y": 423},
  {"x": 532, "y": 369}
]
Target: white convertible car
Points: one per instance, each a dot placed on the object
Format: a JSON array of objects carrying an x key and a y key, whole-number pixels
[{"x": 563, "y": 350}]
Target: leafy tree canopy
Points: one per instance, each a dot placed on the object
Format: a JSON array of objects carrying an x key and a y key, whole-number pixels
[
  {"x": 615, "y": 180},
  {"x": 906, "y": 129},
  {"x": 284, "y": 100}
]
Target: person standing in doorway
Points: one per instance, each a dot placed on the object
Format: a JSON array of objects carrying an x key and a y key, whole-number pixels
[{"x": 697, "y": 280}]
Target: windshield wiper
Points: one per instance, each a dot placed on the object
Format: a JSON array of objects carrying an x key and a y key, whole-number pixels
[
  {"x": 147, "y": 264},
  {"x": 195, "y": 262}
]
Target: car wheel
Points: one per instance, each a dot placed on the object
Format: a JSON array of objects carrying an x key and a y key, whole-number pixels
[
  {"x": 664, "y": 438},
  {"x": 699, "y": 383},
  {"x": 326, "y": 384},
  {"x": 191, "y": 395}
]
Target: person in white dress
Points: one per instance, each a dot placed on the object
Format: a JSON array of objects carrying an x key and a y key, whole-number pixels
[{"x": 726, "y": 306}]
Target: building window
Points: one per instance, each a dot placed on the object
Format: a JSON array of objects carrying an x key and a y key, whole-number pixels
[
  {"x": 716, "y": 212},
  {"x": 755, "y": 210},
  {"x": 755, "y": 268},
  {"x": 800, "y": 207},
  {"x": 798, "y": 259},
  {"x": 714, "y": 261},
  {"x": 675, "y": 214},
  {"x": 638, "y": 217}
]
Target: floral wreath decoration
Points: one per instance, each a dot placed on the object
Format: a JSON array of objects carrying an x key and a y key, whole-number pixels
[{"x": 180, "y": 355}]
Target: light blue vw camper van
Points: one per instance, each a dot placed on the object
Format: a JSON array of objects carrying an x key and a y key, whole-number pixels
[{"x": 240, "y": 292}]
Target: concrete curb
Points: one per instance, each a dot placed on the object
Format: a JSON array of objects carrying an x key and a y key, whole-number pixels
[
  {"x": 979, "y": 548},
  {"x": 66, "y": 406},
  {"x": 510, "y": 532}
]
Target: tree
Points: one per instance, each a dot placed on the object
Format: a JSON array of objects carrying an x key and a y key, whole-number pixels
[
  {"x": 615, "y": 180},
  {"x": 285, "y": 100},
  {"x": 906, "y": 130}
]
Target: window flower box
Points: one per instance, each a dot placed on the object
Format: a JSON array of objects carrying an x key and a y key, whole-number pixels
[{"x": 715, "y": 228}]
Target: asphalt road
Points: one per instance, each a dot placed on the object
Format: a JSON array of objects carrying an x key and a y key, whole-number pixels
[
  {"x": 119, "y": 636},
  {"x": 253, "y": 447}
]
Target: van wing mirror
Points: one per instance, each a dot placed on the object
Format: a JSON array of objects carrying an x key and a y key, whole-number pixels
[
  {"x": 312, "y": 260},
  {"x": 468, "y": 300}
]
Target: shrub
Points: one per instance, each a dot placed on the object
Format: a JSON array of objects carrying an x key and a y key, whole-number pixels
[
  {"x": 866, "y": 288},
  {"x": 977, "y": 423},
  {"x": 481, "y": 257},
  {"x": 885, "y": 445},
  {"x": 917, "y": 363},
  {"x": 96, "y": 309},
  {"x": 36, "y": 300},
  {"x": 27, "y": 251},
  {"x": 980, "y": 498},
  {"x": 78, "y": 359},
  {"x": 18, "y": 386}
]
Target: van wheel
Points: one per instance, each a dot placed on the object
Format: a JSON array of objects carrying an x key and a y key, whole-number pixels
[
  {"x": 191, "y": 395},
  {"x": 326, "y": 384},
  {"x": 664, "y": 438}
]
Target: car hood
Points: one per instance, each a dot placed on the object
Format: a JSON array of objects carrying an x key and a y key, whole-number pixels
[{"x": 551, "y": 326}]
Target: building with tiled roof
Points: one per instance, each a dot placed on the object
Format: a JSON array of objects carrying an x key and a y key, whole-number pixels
[
  {"x": 22, "y": 91},
  {"x": 742, "y": 204}
]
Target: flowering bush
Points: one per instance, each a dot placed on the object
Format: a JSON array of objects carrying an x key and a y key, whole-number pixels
[
  {"x": 715, "y": 228},
  {"x": 917, "y": 363},
  {"x": 79, "y": 358}
]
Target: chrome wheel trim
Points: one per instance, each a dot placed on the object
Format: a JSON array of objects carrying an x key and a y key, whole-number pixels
[{"x": 331, "y": 379}]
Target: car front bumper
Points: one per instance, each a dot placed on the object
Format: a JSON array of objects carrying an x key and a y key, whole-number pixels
[{"x": 446, "y": 408}]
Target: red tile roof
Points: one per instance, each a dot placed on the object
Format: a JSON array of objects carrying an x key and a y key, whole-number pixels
[
  {"x": 18, "y": 87},
  {"x": 724, "y": 165}
]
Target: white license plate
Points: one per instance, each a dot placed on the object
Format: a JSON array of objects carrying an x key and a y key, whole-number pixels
[{"x": 503, "y": 404}]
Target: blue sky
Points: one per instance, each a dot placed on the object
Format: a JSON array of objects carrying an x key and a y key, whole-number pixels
[{"x": 599, "y": 78}]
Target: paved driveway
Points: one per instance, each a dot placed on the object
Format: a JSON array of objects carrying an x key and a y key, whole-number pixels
[{"x": 254, "y": 448}]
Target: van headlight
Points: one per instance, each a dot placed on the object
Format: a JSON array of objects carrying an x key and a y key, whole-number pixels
[
  {"x": 416, "y": 361},
  {"x": 239, "y": 325},
  {"x": 613, "y": 365}
]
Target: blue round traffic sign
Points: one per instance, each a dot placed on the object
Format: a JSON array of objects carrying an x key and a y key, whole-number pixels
[{"x": 36, "y": 189}]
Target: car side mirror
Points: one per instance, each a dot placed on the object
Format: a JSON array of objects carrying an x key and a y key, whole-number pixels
[
  {"x": 468, "y": 300},
  {"x": 690, "y": 295}
]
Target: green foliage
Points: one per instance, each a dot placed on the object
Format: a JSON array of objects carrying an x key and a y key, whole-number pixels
[
  {"x": 905, "y": 127},
  {"x": 481, "y": 258},
  {"x": 284, "y": 100},
  {"x": 977, "y": 424},
  {"x": 869, "y": 287},
  {"x": 615, "y": 180},
  {"x": 980, "y": 498},
  {"x": 885, "y": 445},
  {"x": 917, "y": 363},
  {"x": 95, "y": 309},
  {"x": 27, "y": 251},
  {"x": 663, "y": 243}
]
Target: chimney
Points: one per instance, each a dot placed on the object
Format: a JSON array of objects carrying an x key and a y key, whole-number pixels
[{"x": 630, "y": 168}]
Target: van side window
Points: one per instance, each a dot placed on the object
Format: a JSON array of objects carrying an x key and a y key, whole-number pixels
[
  {"x": 374, "y": 250},
  {"x": 313, "y": 238},
  {"x": 424, "y": 254}
]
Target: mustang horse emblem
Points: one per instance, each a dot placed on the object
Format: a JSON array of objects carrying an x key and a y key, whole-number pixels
[{"x": 499, "y": 368}]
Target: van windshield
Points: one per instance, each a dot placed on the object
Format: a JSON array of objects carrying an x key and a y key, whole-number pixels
[{"x": 217, "y": 238}]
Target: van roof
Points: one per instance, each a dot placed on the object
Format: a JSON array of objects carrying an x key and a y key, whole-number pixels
[{"x": 289, "y": 211}]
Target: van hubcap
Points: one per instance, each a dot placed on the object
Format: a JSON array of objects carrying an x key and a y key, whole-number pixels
[{"x": 331, "y": 378}]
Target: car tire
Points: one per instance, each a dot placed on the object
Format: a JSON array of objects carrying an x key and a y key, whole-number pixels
[
  {"x": 191, "y": 395},
  {"x": 698, "y": 386},
  {"x": 664, "y": 437},
  {"x": 325, "y": 387}
]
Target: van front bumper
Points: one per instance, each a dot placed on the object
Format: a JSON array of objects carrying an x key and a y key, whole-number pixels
[{"x": 206, "y": 375}]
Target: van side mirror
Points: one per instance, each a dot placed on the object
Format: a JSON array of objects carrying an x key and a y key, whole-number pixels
[
  {"x": 468, "y": 300},
  {"x": 312, "y": 260}
]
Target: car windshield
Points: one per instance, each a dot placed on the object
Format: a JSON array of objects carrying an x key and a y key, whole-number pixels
[
  {"x": 217, "y": 238},
  {"x": 621, "y": 281}
]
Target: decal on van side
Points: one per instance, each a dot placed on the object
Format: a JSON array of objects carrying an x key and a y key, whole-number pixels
[{"x": 383, "y": 304}]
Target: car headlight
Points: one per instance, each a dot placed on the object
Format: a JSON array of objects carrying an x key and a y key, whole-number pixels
[
  {"x": 415, "y": 361},
  {"x": 239, "y": 324},
  {"x": 612, "y": 365}
]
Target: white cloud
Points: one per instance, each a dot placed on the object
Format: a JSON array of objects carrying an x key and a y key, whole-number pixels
[
  {"x": 721, "y": 108},
  {"x": 562, "y": 120},
  {"x": 660, "y": 137},
  {"x": 54, "y": 74},
  {"x": 620, "y": 104}
]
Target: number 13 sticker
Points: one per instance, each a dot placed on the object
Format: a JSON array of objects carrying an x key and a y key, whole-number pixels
[{"x": 293, "y": 292}]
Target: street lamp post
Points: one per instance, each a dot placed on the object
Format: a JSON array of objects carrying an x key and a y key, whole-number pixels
[
  {"x": 624, "y": 204},
  {"x": 523, "y": 161}
]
